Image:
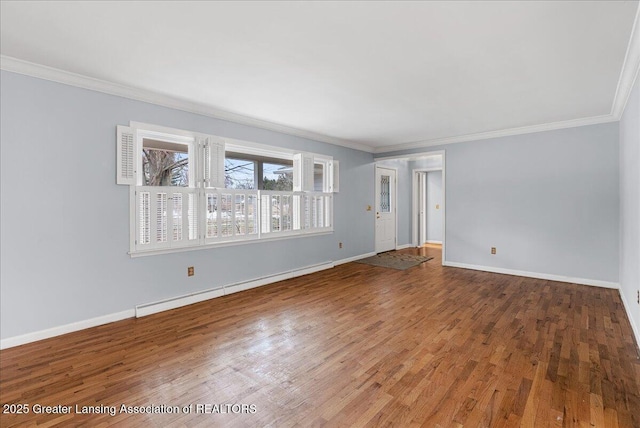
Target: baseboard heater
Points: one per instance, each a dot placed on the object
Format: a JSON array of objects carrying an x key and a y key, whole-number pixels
[{"x": 200, "y": 296}]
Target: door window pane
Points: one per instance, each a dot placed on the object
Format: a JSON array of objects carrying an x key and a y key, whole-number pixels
[{"x": 385, "y": 197}]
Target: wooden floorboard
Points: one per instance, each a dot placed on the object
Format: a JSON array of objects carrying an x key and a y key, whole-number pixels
[{"x": 356, "y": 345}]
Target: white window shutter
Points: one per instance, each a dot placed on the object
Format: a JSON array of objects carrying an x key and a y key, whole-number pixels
[
  {"x": 302, "y": 172},
  {"x": 297, "y": 176},
  {"x": 213, "y": 151},
  {"x": 307, "y": 173},
  {"x": 126, "y": 156},
  {"x": 334, "y": 176}
]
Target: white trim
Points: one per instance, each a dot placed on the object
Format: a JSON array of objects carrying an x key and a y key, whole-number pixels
[
  {"x": 410, "y": 156},
  {"x": 189, "y": 299},
  {"x": 414, "y": 205},
  {"x": 444, "y": 207},
  {"x": 550, "y": 277},
  {"x": 27, "y": 68},
  {"x": 257, "y": 149},
  {"x": 10, "y": 342},
  {"x": 163, "y": 305},
  {"x": 627, "y": 308},
  {"x": 629, "y": 71},
  {"x": 176, "y": 302},
  {"x": 574, "y": 123},
  {"x": 246, "y": 285},
  {"x": 353, "y": 259},
  {"x": 220, "y": 244},
  {"x": 19, "y": 66},
  {"x": 414, "y": 192},
  {"x": 403, "y": 246}
]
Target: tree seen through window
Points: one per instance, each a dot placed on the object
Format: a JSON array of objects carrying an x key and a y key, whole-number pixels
[{"x": 165, "y": 164}]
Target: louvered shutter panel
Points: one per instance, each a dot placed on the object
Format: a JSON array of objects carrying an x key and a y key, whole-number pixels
[
  {"x": 213, "y": 150},
  {"x": 307, "y": 173},
  {"x": 334, "y": 176},
  {"x": 302, "y": 172},
  {"x": 297, "y": 169},
  {"x": 126, "y": 156}
]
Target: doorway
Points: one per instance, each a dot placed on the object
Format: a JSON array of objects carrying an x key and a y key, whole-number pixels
[
  {"x": 429, "y": 200},
  {"x": 385, "y": 200},
  {"x": 429, "y": 210}
]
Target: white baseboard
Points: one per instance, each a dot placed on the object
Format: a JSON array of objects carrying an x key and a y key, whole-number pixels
[
  {"x": 163, "y": 305},
  {"x": 634, "y": 327},
  {"x": 403, "y": 246},
  {"x": 246, "y": 285},
  {"x": 429, "y": 241},
  {"x": 10, "y": 342},
  {"x": 189, "y": 299},
  {"x": 353, "y": 259},
  {"x": 176, "y": 302},
  {"x": 559, "y": 278}
]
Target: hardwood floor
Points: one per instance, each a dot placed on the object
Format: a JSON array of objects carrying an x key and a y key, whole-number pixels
[{"x": 352, "y": 346}]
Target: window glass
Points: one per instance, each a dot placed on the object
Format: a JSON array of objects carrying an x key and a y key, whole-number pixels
[
  {"x": 318, "y": 177},
  {"x": 239, "y": 173},
  {"x": 277, "y": 177},
  {"x": 385, "y": 195},
  {"x": 165, "y": 163}
]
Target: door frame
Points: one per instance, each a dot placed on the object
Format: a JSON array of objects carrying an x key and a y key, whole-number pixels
[
  {"x": 394, "y": 203},
  {"x": 420, "y": 230},
  {"x": 415, "y": 200}
]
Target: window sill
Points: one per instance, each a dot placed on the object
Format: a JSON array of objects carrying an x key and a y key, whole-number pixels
[{"x": 219, "y": 244}]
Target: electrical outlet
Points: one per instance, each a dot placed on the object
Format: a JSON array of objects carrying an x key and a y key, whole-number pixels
[
  {"x": 339, "y": 244},
  {"x": 190, "y": 271},
  {"x": 493, "y": 250}
]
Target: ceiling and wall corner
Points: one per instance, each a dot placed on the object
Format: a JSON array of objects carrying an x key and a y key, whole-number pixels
[{"x": 374, "y": 76}]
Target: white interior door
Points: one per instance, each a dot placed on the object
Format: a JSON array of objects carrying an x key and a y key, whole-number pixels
[{"x": 385, "y": 209}]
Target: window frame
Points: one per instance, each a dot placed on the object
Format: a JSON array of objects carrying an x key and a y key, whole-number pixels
[
  {"x": 190, "y": 142},
  {"x": 317, "y": 216}
]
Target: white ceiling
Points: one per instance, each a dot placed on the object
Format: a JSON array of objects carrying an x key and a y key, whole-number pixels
[{"x": 380, "y": 74}]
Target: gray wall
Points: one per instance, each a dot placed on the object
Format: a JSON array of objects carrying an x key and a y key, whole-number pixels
[
  {"x": 548, "y": 201},
  {"x": 434, "y": 197},
  {"x": 630, "y": 205},
  {"x": 65, "y": 223}
]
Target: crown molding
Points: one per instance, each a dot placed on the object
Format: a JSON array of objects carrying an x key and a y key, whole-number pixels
[
  {"x": 19, "y": 66},
  {"x": 499, "y": 133},
  {"x": 625, "y": 85},
  {"x": 629, "y": 71}
]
